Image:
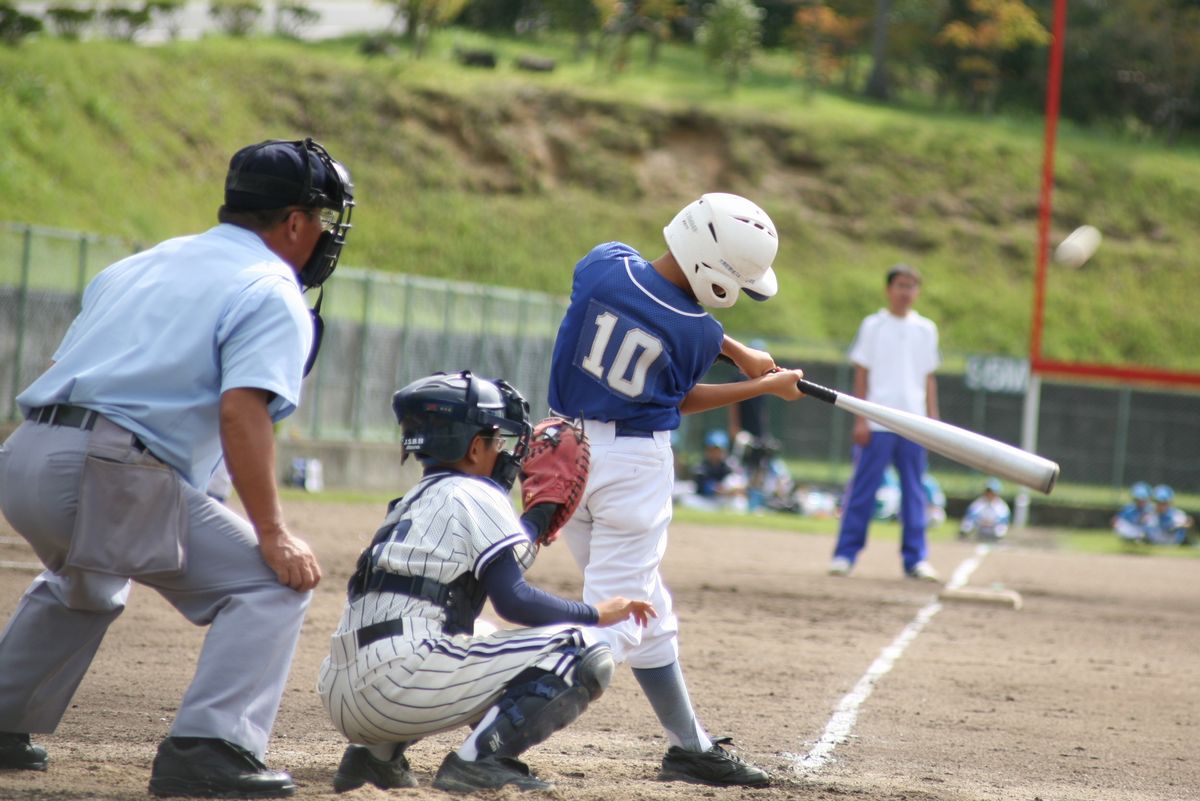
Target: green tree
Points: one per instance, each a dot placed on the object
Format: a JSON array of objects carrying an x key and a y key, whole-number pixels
[
  {"x": 990, "y": 29},
  {"x": 729, "y": 37},
  {"x": 15, "y": 25},
  {"x": 69, "y": 22},
  {"x": 235, "y": 17},
  {"x": 583, "y": 18},
  {"x": 625, "y": 19},
  {"x": 828, "y": 39},
  {"x": 123, "y": 23},
  {"x": 291, "y": 18},
  {"x": 420, "y": 18}
]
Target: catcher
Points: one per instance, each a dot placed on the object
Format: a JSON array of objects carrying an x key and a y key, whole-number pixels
[{"x": 404, "y": 663}]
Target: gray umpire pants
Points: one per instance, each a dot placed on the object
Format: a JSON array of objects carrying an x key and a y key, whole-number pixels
[{"x": 254, "y": 621}]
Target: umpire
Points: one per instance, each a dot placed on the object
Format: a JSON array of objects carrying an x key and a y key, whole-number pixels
[{"x": 182, "y": 352}]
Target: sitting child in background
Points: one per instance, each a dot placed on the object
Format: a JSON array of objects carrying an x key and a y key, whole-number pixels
[
  {"x": 1166, "y": 524},
  {"x": 987, "y": 517},
  {"x": 887, "y": 498},
  {"x": 1130, "y": 522},
  {"x": 719, "y": 480},
  {"x": 769, "y": 483}
]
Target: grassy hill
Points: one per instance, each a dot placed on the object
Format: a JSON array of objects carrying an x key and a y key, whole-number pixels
[{"x": 508, "y": 178}]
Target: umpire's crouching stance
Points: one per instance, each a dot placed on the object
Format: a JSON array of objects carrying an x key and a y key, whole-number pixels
[{"x": 193, "y": 347}]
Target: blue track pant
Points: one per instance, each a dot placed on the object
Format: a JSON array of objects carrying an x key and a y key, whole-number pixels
[{"x": 870, "y": 461}]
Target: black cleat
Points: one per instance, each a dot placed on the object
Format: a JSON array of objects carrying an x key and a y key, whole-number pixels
[
  {"x": 212, "y": 768},
  {"x": 716, "y": 766},
  {"x": 359, "y": 766},
  {"x": 17, "y": 753},
  {"x": 456, "y": 775}
]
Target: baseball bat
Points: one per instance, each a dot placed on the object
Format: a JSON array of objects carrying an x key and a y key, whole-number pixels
[{"x": 966, "y": 447}]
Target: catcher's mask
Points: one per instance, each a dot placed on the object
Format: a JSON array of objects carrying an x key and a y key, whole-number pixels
[
  {"x": 442, "y": 413},
  {"x": 279, "y": 173}
]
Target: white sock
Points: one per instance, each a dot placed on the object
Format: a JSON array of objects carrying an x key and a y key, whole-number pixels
[
  {"x": 469, "y": 751},
  {"x": 384, "y": 752}
]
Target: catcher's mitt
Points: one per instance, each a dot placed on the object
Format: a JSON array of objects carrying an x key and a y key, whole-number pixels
[{"x": 555, "y": 471}]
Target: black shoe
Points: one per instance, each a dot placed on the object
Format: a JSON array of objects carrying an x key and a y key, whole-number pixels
[
  {"x": 359, "y": 766},
  {"x": 456, "y": 775},
  {"x": 715, "y": 766},
  {"x": 211, "y": 768},
  {"x": 17, "y": 753}
]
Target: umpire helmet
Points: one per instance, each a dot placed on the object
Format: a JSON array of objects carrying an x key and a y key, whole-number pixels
[
  {"x": 724, "y": 243},
  {"x": 442, "y": 413}
]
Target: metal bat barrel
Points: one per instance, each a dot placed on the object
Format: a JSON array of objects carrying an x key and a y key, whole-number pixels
[{"x": 966, "y": 447}]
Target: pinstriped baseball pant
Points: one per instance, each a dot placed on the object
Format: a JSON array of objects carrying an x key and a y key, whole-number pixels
[{"x": 400, "y": 690}]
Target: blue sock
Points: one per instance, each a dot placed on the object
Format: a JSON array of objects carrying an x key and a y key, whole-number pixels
[{"x": 668, "y": 697}]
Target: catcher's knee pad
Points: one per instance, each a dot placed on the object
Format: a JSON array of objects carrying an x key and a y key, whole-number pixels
[
  {"x": 594, "y": 669},
  {"x": 529, "y": 712}
]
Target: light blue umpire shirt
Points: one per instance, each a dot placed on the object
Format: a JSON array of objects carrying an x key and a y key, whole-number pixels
[{"x": 164, "y": 332}]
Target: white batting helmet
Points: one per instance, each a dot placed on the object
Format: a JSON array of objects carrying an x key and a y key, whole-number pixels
[{"x": 724, "y": 243}]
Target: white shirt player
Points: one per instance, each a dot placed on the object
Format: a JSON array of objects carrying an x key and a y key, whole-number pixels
[{"x": 899, "y": 353}]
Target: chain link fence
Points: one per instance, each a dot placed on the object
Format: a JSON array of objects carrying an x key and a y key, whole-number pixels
[{"x": 385, "y": 330}]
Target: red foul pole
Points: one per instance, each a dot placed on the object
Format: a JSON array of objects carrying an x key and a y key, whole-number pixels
[{"x": 1053, "y": 90}]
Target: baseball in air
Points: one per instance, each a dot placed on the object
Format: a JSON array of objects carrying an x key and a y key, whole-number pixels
[{"x": 1078, "y": 247}]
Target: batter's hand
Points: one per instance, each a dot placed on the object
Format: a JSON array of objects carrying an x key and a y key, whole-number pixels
[
  {"x": 616, "y": 610},
  {"x": 754, "y": 362},
  {"x": 862, "y": 432},
  {"x": 294, "y": 563},
  {"x": 782, "y": 383}
]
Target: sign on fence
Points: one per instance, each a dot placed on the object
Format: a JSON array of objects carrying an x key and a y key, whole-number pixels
[{"x": 1003, "y": 374}]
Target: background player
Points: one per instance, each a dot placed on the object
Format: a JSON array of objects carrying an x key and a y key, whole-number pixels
[
  {"x": 403, "y": 665},
  {"x": 628, "y": 358},
  {"x": 987, "y": 517},
  {"x": 894, "y": 356}
]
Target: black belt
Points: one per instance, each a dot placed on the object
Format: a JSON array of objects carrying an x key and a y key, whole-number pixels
[
  {"x": 628, "y": 431},
  {"x": 63, "y": 414},
  {"x": 378, "y": 631}
]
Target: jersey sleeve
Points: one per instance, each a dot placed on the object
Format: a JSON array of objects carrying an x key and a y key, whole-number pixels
[
  {"x": 862, "y": 349},
  {"x": 517, "y": 601},
  {"x": 264, "y": 339},
  {"x": 935, "y": 349}
]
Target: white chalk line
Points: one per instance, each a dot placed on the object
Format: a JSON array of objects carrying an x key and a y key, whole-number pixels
[
  {"x": 841, "y": 724},
  {"x": 7, "y": 565}
]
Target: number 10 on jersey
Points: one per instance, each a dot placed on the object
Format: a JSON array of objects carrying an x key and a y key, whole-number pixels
[{"x": 624, "y": 368}]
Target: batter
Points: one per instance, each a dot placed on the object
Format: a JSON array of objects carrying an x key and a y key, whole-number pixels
[{"x": 628, "y": 358}]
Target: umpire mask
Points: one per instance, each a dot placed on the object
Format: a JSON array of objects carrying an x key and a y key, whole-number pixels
[{"x": 278, "y": 173}]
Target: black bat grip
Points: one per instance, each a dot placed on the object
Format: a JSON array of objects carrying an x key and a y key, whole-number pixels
[{"x": 817, "y": 391}]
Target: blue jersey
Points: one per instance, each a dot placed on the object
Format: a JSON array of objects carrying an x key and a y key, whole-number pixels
[{"x": 632, "y": 344}]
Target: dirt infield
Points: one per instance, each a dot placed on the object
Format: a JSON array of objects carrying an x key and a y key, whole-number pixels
[{"x": 1088, "y": 693}]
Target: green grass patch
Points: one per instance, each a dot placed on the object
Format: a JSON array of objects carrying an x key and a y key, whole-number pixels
[{"x": 507, "y": 178}]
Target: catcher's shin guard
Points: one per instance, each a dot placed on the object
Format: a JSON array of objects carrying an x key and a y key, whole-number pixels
[{"x": 538, "y": 703}]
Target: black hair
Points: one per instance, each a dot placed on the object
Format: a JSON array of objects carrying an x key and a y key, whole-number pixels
[{"x": 897, "y": 270}]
